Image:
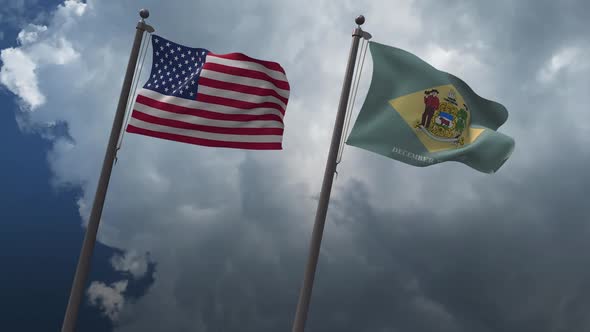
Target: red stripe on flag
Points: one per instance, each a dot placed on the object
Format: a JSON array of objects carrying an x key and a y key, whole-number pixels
[
  {"x": 242, "y": 57},
  {"x": 210, "y": 129},
  {"x": 241, "y": 88},
  {"x": 245, "y": 73},
  {"x": 205, "y": 142},
  {"x": 237, "y": 103},
  {"x": 204, "y": 113}
]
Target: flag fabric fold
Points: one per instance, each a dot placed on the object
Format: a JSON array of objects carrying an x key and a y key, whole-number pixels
[
  {"x": 219, "y": 100},
  {"x": 421, "y": 116}
]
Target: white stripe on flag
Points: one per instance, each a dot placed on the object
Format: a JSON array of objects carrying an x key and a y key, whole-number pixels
[
  {"x": 246, "y": 65},
  {"x": 243, "y": 81},
  {"x": 205, "y": 135},
  {"x": 239, "y": 96},
  {"x": 187, "y": 118},
  {"x": 193, "y": 104}
]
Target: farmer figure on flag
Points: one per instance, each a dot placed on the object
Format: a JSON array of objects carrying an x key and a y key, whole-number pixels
[{"x": 432, "y": 103}]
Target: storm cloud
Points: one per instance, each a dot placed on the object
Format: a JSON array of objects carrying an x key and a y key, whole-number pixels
[{"x": 441, "y": 248}]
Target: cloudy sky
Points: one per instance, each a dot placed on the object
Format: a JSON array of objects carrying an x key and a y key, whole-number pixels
[{"x": 442, "y": 248}]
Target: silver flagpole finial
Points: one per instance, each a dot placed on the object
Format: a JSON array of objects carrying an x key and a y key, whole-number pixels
[
  {"x": 360, "y": 20},
  {"x": 144, "y": 13}
]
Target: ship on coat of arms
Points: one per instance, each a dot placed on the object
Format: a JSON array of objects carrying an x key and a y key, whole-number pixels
[{"x": 444, "y": 121}]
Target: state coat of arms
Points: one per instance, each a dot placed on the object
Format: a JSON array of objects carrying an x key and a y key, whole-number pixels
[
  {"x": 439, "y": 116},
  {"x": 446, "y": 120}
]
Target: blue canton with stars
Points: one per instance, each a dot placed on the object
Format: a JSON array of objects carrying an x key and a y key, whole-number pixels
[{"x": 175, "y": 68}]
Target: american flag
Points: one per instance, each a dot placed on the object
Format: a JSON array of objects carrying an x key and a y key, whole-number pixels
[{"x": 220, "y": 100}]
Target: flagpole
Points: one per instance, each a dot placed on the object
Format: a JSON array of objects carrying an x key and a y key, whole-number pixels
[
  {"x": 83, "y": 268},
  {"x": 320, "y": 218}
]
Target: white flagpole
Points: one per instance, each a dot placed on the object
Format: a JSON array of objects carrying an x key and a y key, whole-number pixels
[
  {"x": 83, "y": 268},
  {"x": 320, "y": 218}
]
